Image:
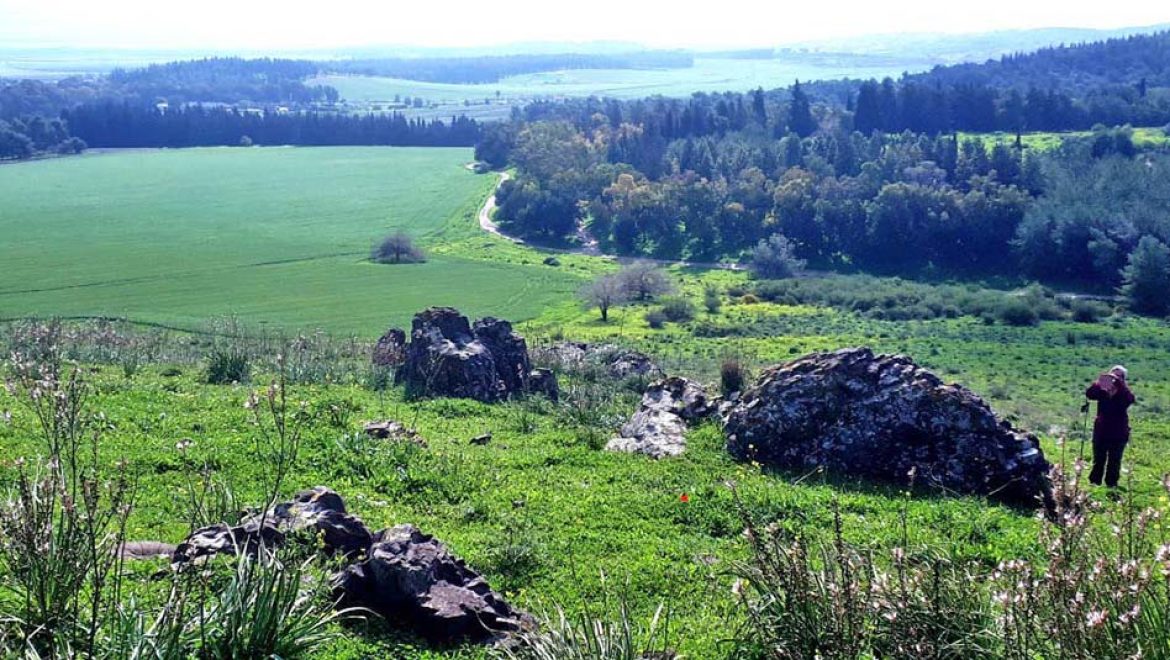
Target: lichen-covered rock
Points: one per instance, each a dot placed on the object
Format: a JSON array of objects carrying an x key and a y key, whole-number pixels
[
  {"x": 883, "y": 417},
  {"x": 488, "y": 362},
  {"x": 395, "y": 431},
  {"x": 617, "y": 362},
  {"x": 658, "y": 427},
  {"x": 390, "y": 351},
  {"x": 408, "y": 576}
]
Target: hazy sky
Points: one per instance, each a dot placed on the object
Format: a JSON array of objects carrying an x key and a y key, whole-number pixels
[{"x": 291, "y": 24}]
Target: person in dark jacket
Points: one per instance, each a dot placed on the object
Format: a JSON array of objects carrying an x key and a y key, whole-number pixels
[{"x": 1111, "y": 428}]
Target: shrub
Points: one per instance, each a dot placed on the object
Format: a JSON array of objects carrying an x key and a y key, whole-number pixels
[
  {"x": 655, "y": 319},
  {"x": 1147, "y": 277},
  {"x": 775, "y": 258},
  {"x": 642, "y": 280},
  {"x": 228, "y": 364},
  {"x": 603, "y": 293},
  {"x": 678, "y": 310},
  {"x": 732, "y": 376},
  {"x": 397, "y": 248},
  {"x": 711, "y": 299},
  {"x": 749, "y": 299},
  {"x": 1089, "y": 311},
  {"x": 1018, "y": 313}
]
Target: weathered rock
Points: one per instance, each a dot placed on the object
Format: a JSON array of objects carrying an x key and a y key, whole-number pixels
[
  {"x": 883, "y": 417},
  {"x": 446, "y": 356},
  {"x": 319, "y": 508},
  {"x": 482, "y": 439},
  {"x": 410, "y": 577},
  {"x": 658, "y": 427},
  {"x": 544, "y": 381},
  {"x": 396, "y": 431},
  {"x": 390, "y": 351},
  {"x": 617, "y": 362},
  {"x": 139, "y": 550},
  {"x": 508, "y": 351}
]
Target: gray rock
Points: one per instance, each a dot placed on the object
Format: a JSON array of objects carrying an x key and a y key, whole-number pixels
[
  {"x": 410, "y": 577},
  {"x": 395, "y": 431},
  {"x": 617, "y": 362},
  {"x": 390, "y": 351},
  {"x": 883, "y": 417},
  {"x": 544, "y": 381},
  {"x": 658, "y": 427}
]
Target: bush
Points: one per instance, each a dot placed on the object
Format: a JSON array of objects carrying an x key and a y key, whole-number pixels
[
  {"x": 711, "y": 299},
  {"x": 642, "y": 280},
  {"x": 655, "y": 319},
  {"x": 228, "y": 365},
  {"x": 1089, "y": 311},
  {"x": 1018, "y": 313},
  {"x": 1147, "y": 277},
  {"x": 678, "y": 310},
  {"x": 398, "y": 248},
  {"x": 775, "y": 258},
  {"x": 732, "y": 376}
]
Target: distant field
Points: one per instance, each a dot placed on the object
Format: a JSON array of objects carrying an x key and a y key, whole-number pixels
[
  {"x": 1142, "y": 137},
  {"x": 708, "y": 75},
  {"x": 275, "y": 236}
]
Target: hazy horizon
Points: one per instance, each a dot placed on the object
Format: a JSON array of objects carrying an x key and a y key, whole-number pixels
[{"x": 266, "y": 26}]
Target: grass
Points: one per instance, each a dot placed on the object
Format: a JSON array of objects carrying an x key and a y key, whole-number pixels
[
  {"x": 275, "y": 236},
  {"x": 1143, "y": 137}
]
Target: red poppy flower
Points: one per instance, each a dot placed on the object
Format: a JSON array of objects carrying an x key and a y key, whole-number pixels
[{"x": 684, "y": 498}]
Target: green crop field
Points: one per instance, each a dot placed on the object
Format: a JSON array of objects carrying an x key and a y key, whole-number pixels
[
  {"x": 276, "y": 236},
  {"x": 1143, "y": 137}
]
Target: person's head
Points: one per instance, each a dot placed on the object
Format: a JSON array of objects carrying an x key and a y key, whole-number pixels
[{"x": 1120, "y": 372}]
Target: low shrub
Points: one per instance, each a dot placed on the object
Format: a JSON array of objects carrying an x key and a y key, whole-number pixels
[
  {"x": 1089, "y": 311},
  {"x": 732, "y": 376},
  {"x": 1018, "y": 313},
  {"x": 656, "y": 319},
  {"x": 227, "y": 365},
  {"x": 678, "y": 310},
  {"x": 712, "y": 301}
]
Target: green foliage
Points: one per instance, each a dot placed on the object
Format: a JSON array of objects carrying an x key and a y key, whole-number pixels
[
  {"x": 227, "y": 364},
  {"x": 678, "y": 310},
  {"x": 1147, "y": 277},
  {"x": 656, "y": 319},
  {"x": 712, "y": 299},
  {"x": 775, "y": 258},
  {"x": 1018, "y": 313}
]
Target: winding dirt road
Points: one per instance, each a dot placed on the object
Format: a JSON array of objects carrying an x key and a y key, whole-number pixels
[{"x": 589, "y": 244}]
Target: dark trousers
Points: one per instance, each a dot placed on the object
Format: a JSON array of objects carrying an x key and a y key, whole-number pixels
[{"x": 1107, "y": 461}]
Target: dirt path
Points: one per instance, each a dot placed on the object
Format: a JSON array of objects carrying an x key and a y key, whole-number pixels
[{"x": 589, "y": 244}]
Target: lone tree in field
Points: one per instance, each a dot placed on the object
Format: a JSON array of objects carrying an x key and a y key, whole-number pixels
[
  {"x": 604, "y": 292},
  {"x": 397, "y": 248},
  {"x": 774, "y": 258},
  {"x": 642, "y": 280},
  {"x": 1147, "y": 277}
]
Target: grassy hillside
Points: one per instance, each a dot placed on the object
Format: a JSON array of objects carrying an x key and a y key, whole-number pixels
[{"x": 277, "y": 236}]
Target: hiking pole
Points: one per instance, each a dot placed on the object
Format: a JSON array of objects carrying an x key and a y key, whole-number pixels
[{"x": 1084, "y": 428}]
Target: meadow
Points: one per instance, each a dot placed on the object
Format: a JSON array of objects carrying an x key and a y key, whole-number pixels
[{"x": 274, "y": 236}]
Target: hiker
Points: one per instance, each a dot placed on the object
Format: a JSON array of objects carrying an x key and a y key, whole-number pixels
[{"x": 1111, "y": 428}]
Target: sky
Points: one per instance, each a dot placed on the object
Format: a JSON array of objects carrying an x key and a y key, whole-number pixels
[{"x": 293, "y": 24}]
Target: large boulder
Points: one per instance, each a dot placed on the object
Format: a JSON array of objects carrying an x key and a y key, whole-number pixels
[
  {"x": 411, "y": 577},
  {"x": 882, "y": 416},
  {"x": 446, "y": 356},
  {"x": 658, "y": 427}
]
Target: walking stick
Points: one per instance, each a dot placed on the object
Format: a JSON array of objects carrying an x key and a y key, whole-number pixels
[{"x": 1084, "y": 429}]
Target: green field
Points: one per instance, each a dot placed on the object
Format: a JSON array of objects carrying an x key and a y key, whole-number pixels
[
  {"x": 275, "y": 236},
  {"x": 1144, "y": 138},
  {"x": 707, "y": 75}
]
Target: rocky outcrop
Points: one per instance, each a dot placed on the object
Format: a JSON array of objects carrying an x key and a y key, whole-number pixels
[
  {"x": 446, "y": 356},
  {"x": 390, "y": 351},
  {"x": 882, "y": 416},
  {"x": 658, "y": 427},
  {"x": 394, "y": 431},
  {"x": 618, "y": 362},
  {"x": 544, "y": 381},
  {"x": 410, "y": 576}
]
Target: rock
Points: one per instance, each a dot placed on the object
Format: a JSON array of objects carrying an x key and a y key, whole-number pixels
[
  {"x": 482, "y": 439},
  {"x": 410, "y": 577},
  {"x": 551, "y": 261},
  {"x": 884, "y": 417},
  {"x": 396, "y": 431},
  {"x": 390, "y": 351},
  {"x": 320, "y": 509},
  {"x": 446, "y": 356},
  {"x": 508, "y": 351},
  {"x": 617, "y": 362},
  {"x": 657, "y": 428},
  {"x": 544, "y": 381},
  {"x": 141, "y": 550}
]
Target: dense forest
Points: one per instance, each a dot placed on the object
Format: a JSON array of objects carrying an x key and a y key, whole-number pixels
[
  {"x": 127, "y": 125},
  {"x": 225, "y": 80},
  {"x": 469, "y": 70}
]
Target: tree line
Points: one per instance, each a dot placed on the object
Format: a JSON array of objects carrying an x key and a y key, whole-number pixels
[
  {"x": 490, "y": 69},
  {"x": 127, "y": 125}
]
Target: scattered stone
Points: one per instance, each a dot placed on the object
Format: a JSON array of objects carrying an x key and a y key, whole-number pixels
[
  {"x": 544, "y": 381},
  {"x": 390, "y": 351},
  {"x": 618, "y": 362},
  {"x": 551, "y": 261},
  {"x": 884, "y": 417},
  {"x": 410, "y": 576},
  {"x": 446, "y": 356},
  {"x": 482, "y": 439},
  {"x": 657, "y": 428},
  {"x": 396, "y": 431}
]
